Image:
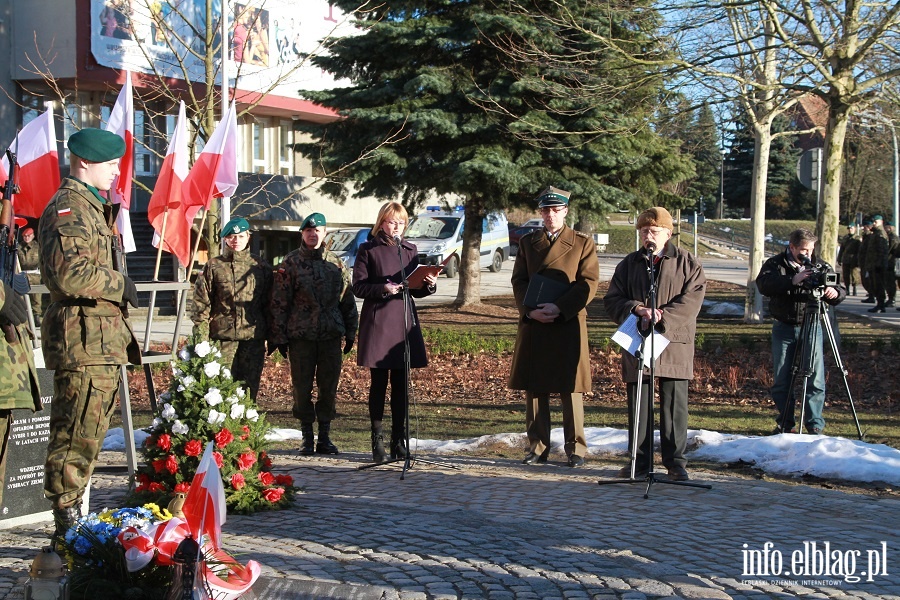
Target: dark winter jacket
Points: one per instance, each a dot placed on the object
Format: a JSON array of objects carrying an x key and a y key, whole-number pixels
[{"x": 787, "y": 302}]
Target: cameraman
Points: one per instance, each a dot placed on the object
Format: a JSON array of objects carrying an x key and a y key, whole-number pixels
[{"x": 790, "y": 280}]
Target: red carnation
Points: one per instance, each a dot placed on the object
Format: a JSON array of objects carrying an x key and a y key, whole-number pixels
[
  {"x": 246, "y": 460},
  {"x": 273, "y": 495},
  {"x": 224, "y": 437},
  {"x": 157, "y": 487},
  {"x": 143, "y": 479},
  {"x": 217, "y": 456},
  {"x": 193, "y": 448},
  {"x": 265, "y": 460},
  {"x": 159, "y": 465},
  {"x": 171, "y": 464},
  {"x": 266, "y": 478},
  {"x": 183, "y": 487},
  {"x": 246, "y": 432},
  {"x": 284, "y": 480},
  {"x": 164, "y": 442},
  {"x": 237, "y": 481}
]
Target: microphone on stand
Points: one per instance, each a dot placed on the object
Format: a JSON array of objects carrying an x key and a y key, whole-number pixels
[
  {"x": 649, "y": 249},
  {"x": 397, "y": 240}
]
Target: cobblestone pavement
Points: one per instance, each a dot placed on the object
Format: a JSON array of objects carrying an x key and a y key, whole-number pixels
[{"x": 497, "y": 529}]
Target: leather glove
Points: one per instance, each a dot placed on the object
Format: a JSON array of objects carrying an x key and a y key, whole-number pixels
[
  {"x": 14, "y": 309},
  {"x": 282, "y": 348},
  {"x": 348, "y": 345},
  {"x": 129, "y": 295}
]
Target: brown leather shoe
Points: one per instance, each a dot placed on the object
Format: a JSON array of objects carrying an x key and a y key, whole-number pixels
[{"x": 678, "y": 474}]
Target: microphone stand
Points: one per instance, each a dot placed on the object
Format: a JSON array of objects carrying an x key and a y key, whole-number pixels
[
  {"x": 408, "y": 461},
  {"x": 651, "y": 477}
]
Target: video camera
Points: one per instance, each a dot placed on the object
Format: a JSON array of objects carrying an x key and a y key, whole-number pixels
[{"x": 820, "y": 278}]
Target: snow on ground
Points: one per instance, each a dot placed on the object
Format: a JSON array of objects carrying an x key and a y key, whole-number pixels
[{"x": 784, "y": 454}]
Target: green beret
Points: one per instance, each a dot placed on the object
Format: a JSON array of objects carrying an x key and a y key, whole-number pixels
[
  {"x": 868, "y": 222},
  {"x": 553, "y": 197},
  {"x": 851, "y": 225},
  {"x": 96, "y": 145},
  {"x": 877, "y": 218},
  {"x": 314, "y": 220},
  {"x": 236, "y": 225}
]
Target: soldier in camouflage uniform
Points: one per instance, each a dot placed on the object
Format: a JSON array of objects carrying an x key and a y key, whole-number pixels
[
  {"x": 86, "y": 335},
  {"x": 876, "y": 262},
  {"x": 231, "y": 302},
  {"x": 864, "y": 275},
  {"x": 29, "y": 262},
  {"x": 313, "y": 311},
  {"x": 848, "y": 259},
  {"x": 18, "y": 379},
  {"x": 890, "y": 279}
]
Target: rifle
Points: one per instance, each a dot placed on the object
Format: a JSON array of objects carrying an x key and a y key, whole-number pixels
[{"x": 8, "y": 242}]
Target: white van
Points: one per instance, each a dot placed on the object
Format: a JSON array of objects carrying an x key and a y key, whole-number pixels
[{"x": 438, "y": 233}]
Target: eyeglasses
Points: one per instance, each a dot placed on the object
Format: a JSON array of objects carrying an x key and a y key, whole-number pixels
[
  {"x": 546, "y": 210},
  {"x": 654, "y": 231},
  {"x": 396, "y": 223}
]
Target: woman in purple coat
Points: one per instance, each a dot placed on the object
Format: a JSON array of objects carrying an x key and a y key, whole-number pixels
[{"x": 384, "y": 324}]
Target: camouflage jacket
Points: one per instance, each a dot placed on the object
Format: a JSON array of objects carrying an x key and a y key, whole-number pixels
[
  {"x": 231, "y": 297},
  {"x": 876, "y": 251},
  {"x": 848, "y": 255},
  {"x": 29, "y": 256},
  {"x": 84, "y": 324},
  {"x": 312, "y": 298},
  {"x": 18, "y": 378}
]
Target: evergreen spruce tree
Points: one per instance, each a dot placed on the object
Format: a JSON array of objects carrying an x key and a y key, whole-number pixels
[{"x": 443, "y": 98}]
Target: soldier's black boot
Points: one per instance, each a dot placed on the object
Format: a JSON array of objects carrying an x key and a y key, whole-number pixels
[
  {"x": 308, "y": 448},
  {"x": 324, "y": 445},
  {"x": 378, "y": 453},
  {"x": 63, "y": 519}
]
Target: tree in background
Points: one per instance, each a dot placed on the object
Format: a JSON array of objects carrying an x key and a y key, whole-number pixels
[{"x": 467, "y": 111}]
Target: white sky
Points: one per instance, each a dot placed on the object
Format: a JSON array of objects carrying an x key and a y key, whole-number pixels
[{"x": 784, "y": 454}]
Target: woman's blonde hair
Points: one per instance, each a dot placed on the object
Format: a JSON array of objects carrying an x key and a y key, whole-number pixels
[{"x": 390, "y": 210}]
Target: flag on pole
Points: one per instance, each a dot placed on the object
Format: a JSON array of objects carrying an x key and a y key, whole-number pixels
[
  {"x": 121, "y": 122},
  {"x": 38, "y": 177},
  {"x": 168, "y": 196},
  {"x": 215, "y": 174},
  {"x": 204, "y": 507}
]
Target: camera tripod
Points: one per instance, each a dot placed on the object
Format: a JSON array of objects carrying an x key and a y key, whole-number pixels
[{"x": 806, "y": 355}]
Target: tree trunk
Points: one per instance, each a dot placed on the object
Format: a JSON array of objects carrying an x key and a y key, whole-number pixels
[
  {"x": 830, "y": 199},
  {"x": 470, "y": 272},
  {"x": 762, "y": 145}
]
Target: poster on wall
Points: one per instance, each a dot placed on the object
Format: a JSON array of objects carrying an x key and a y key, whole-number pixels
[{"x": 267, "y": 40}]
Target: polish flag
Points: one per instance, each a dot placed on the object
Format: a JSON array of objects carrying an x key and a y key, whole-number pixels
[
  {"x": 38, "y": 176},
  {"x": 204, "y": 507},
  {"x": 121, "y": 122},
  {"x": 215, "y": 173},
  {"x": 166, "y": 203}
]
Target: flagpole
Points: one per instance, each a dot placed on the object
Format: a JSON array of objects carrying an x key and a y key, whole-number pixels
[
  {"x": 183, "y": 296},
  {"x": 162, "y": 237},
  {"x": 226, "y": 93}
]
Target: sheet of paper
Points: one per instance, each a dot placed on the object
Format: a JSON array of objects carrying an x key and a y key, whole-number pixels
[{"x": 628, "y": 336}]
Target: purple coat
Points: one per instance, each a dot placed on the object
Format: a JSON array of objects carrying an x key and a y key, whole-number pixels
[{"x": 381, "y": 337}]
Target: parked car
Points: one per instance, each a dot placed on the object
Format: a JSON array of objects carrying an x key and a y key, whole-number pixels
[
  {"x": 516, "y": 233},
  {"x": 346, "y": 242},
  {"x": 438, "y": 234}
]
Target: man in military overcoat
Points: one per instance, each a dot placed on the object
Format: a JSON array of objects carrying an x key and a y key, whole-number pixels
[
  {"x": 86, "y": 335},
  {"x": 551, "y": 352}
]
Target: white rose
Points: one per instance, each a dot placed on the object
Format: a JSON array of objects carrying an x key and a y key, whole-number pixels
[
  {"x": 231, "y": 399},
  {"x": 179, "y": 427},
  {"x": 239, "y": 392},
  {"x": 226, "y": 373},
  {"x": 237, "y": 411},
  {"x": 184, "y": 354},
  {"x": 168, "y": 412},
  {"x": 213, "y": 397},
  {"x": 252, "y": 414},
  {"x": 156, "y": 423},
  {"x": 215, "y": 417},
  {"x": 202, "y": 349},
  {"x": 212, "y": 369},
  {"x": 188, "y": 381}
]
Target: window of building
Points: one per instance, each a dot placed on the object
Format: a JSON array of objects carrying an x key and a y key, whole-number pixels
[
  {"x": 285, "y": 152},
  {"x": 260, "y": 151}
]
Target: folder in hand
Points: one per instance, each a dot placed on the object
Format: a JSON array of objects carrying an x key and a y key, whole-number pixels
[{"x": 543, "y": 290}]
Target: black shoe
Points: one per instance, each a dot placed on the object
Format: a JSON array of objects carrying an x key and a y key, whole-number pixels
[
  {"x": 576, "y": 461},
  {"x": 398, "y": 449},
  {"x": 639, "y": 473},
  {"x": 889, "y": 303},
  {"x": 308, "y": 447},
  {"x": 678, "y": 474},
  {"x": 876, "y": 309},
  {"x": 868, "y": 300},
  {"x": 533, "y": 457},
  {"x": 778, "y": 430}
]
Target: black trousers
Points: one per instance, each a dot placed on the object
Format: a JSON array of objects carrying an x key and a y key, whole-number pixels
[
  {"x": 673, "y": 417},
  {"x": 377, "y": 394}
]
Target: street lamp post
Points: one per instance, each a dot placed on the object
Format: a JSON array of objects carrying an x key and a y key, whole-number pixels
[{"x": 720, "y": 213}]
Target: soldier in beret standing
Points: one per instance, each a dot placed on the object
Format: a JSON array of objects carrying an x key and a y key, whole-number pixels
[
  {"x": 231, "y": 305},
  {"x": 552, "y": 354},
  {"x": 313, "y": 314},
  {"x": 86, "y": 335}
]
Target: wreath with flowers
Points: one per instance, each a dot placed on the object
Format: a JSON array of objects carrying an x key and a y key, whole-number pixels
[{"x": 205, "y": 404}]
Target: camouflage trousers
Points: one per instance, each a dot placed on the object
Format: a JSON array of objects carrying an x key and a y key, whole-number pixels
[
  {"x": 82, "y": 405},
  {"x": 6, "y": 420},
  {"x": 320, "y": 360},
  {"x": 246, "y": 359}
]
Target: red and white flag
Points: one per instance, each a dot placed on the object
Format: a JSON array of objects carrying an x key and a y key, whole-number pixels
[
  {"x": 204, "y": 507},
  {"x": 38, "y": 176},
  {"x": 167, "y": 202},
  {"x": 215, "y": 173},
  {"x": 121, "y": 122}
]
